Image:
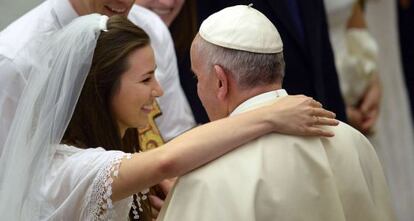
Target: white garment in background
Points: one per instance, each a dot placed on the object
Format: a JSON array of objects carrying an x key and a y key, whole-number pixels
[
  {"x": 393, "y": 138},
  {"x": 355, "y": 51},
  {"x": 287, "y": 178},
  {"x": 54, "y": 14},
  {"x": 395, "y": 145},
  {"x": 48, "y": 16},
  {"x": 176, "y": 115}
]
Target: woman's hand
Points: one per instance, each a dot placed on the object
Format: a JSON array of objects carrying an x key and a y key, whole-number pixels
[
  {"x": 156, "y": 202},
  {"x": 301, "y": 115}
]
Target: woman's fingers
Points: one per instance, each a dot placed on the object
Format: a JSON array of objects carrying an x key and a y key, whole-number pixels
[
  {"x": 314, "y": 103},
  {"x": 320, "y": 112},
  {"x": 167, "y": 184},
  {"x": 156, "y": 204},
  {"x": 323, "y": 121},
  {"x": 320, "y": 116},
  {"x": 301, "y": 115},
  {"x": 316, "y": 131}
]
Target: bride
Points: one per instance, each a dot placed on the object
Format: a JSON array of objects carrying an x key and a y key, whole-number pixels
[{"x": 72, "y": 152}]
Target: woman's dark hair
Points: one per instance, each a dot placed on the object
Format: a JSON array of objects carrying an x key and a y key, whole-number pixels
[{"x": 92, "y": 123}]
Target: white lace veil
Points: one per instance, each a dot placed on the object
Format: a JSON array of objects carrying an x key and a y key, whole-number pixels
[{"x": 59, "y": 63}]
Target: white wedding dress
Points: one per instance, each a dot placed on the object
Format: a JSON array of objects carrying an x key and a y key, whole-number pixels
[
  {"x": 41, "y": 179},
  {"x": 393, "y": 138}
]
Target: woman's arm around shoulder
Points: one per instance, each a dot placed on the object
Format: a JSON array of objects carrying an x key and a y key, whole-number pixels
[{"x": 298, "y": 115}]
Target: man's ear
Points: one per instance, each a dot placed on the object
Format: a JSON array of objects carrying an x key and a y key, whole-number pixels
[{"x": 222, "y": 81}]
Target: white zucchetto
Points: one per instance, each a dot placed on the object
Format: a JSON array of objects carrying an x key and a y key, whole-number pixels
[{"x": 242, "y": 27}]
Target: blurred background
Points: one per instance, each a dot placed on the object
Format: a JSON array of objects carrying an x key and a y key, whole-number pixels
[{"x": 10, "y": 10}]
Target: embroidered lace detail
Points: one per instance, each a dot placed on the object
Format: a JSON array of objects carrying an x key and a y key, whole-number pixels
[
  {"x": 142, "y": 196},
  {"x": 101, "y": 206}
]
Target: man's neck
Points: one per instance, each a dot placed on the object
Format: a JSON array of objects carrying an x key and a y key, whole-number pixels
[{"x": 241, "y": 95}]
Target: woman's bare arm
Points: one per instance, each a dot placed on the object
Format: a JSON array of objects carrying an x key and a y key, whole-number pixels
[{"x": 291, "y": 115}]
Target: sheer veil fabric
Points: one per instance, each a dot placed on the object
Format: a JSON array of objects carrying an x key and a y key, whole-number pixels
[{"x": 59, "y": 62}]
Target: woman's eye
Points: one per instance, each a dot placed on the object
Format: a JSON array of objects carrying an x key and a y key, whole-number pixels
[{"x": 146, "y": 80}]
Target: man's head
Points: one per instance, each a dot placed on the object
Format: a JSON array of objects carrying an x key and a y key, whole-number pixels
[
  {"x": 166, "y": 9},
  {"x": 105, "y": 7},
  {"x": 236, "y": 55}
]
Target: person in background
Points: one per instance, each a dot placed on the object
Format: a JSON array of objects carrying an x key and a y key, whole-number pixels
[
  {"x": 357, "y": 53},
  {"x": 394, "y": 138}
]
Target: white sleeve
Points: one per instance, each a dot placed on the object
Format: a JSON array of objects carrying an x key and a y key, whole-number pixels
[
  {"x": 176, "y": 115},
  {"x": 79, "y": 185},
  {"x": 12, "y": 84}
]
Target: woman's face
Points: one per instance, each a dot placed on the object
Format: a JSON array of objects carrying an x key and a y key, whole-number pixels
[
  {"x": 166, "y": 9},
  {"x": 132, "y": 99}
]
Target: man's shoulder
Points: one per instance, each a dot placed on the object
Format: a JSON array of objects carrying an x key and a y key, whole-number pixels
[
  {"x": 274, "y": 147},
  {"x": 249, "y": 158},
  {"x": 345, "y": 132}
]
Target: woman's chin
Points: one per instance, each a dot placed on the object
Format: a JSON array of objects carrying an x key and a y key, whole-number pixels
[{"x": 143, "y": 125}]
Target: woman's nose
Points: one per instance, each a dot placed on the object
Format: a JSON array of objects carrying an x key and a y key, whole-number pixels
[{"x": 157, "y": 90}]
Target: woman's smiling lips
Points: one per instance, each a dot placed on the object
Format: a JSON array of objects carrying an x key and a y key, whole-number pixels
[{"x": 147, "y": 108}]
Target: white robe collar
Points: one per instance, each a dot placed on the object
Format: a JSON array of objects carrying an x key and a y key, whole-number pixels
[{"x": 259, "y": 100}]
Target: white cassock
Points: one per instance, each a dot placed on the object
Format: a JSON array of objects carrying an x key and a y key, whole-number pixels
[{"x": 286, "y": 178}]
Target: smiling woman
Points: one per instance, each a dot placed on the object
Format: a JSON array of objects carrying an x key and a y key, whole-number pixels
[
  {"x": 117, "y": 90},
  {"x": 133, "y": 98},
  {"x": 118, "y": 93}
]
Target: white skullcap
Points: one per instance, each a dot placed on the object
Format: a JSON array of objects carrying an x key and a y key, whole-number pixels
[{"x": 242, "y": 27}]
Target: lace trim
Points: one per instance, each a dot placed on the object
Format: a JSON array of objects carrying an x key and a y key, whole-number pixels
[
  {"x": 100, "y": 201},
  {"x": 136, "y": 201},
  {"x": 138, "y": 197}
]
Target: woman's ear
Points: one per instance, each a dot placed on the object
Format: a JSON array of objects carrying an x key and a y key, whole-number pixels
[{"x": 222, "y": 81}]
